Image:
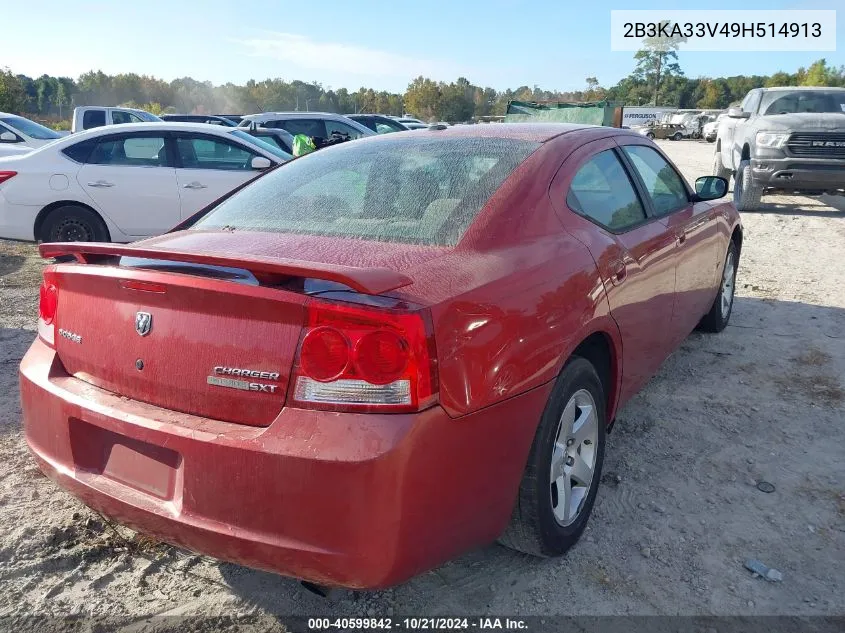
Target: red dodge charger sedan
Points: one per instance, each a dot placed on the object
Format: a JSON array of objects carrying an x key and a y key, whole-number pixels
[{"x": 379, "y": 355}]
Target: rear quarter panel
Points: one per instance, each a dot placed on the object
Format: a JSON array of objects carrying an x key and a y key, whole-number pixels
[{"x": 516, "y": 296}]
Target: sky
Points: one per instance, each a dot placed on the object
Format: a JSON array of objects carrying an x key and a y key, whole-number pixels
[{"x": 555, "y": 44}]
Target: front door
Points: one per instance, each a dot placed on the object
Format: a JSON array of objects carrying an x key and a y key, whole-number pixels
[
  {"x": 209, "y": 167},
  {"x": 634, "y": 253},
  {"x": 131, "y": 181},
  {"x": 694, "y": 227}
]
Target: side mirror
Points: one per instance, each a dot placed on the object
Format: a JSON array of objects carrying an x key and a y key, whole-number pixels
[
  {"x": 259, "y": 162},
  {"x": 738, "y": 113},
  {"x": 710, "y": 188},
  {"x": 8, "y": 137}
]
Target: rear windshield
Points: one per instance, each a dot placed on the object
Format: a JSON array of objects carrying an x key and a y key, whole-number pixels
[{"x": 419, "y": 191}]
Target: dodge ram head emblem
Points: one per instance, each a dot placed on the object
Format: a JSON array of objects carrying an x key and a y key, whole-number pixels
[{"x": 143, "y": 323}]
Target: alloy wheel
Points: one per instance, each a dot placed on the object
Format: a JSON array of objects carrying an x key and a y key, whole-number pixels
[
  {"x": 574, "y": 457},
  {"x": 727, "y": 292}
]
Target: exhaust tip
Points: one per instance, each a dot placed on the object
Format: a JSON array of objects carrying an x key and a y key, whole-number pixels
[{"x": 319, "y": 590}]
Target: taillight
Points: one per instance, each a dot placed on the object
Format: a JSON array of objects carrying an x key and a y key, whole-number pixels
[
  {"x": 6, "y": 175},
  {"x": 358, "y": 358},
  {"x": 48, "y": 302}
]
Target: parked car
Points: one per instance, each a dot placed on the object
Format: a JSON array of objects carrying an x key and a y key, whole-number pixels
[
  {"x": 676, "y": 126},
  {"x": 318, "y": 125},
  {"x": 711, "y": 128},
  {"x": 409, "y": 119},
  {"x": 90, "y": 117},
  {"x": 211, "y": 119},
  {"x": 19, "y": 133},
  {"x": 237, "y": 118},
  {"x": 416, "y": 126},
  {"x": 120, "y": 183},
  {"x": 783, "y": 139},
  {"x": 379, "y": 355},
  {"x": 378, "y": 123},
  {"x": 274, "y": 135}
]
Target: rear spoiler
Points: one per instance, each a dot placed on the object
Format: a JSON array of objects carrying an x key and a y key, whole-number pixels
[{"x": 371, "y": 281}]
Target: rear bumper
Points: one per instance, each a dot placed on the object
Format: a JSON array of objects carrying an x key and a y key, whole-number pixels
[
  {"x": 354, "y": 500},
  {"x": 17, "y": 221},
  {"x": 799, "y": 173}
]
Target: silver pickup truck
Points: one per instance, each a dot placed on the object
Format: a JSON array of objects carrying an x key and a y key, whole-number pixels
[{"x": 783, "y": 139}]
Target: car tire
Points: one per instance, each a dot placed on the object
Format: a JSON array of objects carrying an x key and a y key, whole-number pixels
[
  {"x": 719, "y": 168},
  {"x": 677, "y": 136},
  {"x": 747, "y": 192},
  {"x": 710, "y": 139},
  {"x": 542, "y": 523},
  {"x": 650, "y": 135},
  {"x": 74, "y": 223},
  {"x": 717, "y": 318}
]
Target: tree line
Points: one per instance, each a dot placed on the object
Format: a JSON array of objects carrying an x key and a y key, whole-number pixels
[{"x": 657, "y": 79}]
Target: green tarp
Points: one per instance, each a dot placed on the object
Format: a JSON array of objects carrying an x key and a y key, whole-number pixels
[{"x": 594, "y": 113}]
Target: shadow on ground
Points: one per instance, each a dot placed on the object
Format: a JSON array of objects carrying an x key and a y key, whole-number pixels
[{"x": 775, "y": 356}]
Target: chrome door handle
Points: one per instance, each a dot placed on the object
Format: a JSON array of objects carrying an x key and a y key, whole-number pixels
[
  {"x": 101, "y": 183},
  {"x": 194, "y": 185}
]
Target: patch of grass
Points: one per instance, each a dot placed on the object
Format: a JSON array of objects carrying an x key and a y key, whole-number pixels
[
  {"x": 813, "y": 358},
  {"x": 818, "y": 387}
]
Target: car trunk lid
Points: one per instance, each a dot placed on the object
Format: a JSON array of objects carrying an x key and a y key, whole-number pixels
[{"x": 189, "y": 341}]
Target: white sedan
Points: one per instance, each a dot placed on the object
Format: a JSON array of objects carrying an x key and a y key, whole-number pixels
[
  {"x": 121, "y": 183},
  {"x": 19, "y": 135}
]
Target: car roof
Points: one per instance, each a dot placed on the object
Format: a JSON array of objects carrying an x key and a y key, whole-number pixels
[
  {"x": 294, "y": 115},
  {"x": 537, "y": 132},
  {"x": 186, "y": 126},
  {"x": 803, "y": 88}
]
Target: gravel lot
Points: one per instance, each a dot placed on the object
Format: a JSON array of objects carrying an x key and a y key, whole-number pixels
[{"x": 678, "y": 513}]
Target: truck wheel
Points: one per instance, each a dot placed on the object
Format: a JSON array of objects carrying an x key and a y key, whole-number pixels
[
  {"x": 73, "y": 223},
  {"x": 718, "y": 168},
  {"x": 650, "y": 135},
  {"x": 747, "y": 193},
  {"x": 561, "y": 479},
  {"x": 677, "y": 136}
]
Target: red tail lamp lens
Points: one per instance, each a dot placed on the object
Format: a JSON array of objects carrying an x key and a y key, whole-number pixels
[
  {"x": 324, "y": 354},
  {"x": 48, "y": 300},
  {"x": 381, "y": 357}
]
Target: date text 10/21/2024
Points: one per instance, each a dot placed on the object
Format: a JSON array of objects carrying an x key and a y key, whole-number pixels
[{"x": 418, "y": 624}]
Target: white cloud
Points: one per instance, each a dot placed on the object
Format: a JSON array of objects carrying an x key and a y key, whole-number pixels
[{"x": 305, "y": 52}]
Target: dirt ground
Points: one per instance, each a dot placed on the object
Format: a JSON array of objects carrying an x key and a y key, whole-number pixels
[{"x": 678, "y": 513}]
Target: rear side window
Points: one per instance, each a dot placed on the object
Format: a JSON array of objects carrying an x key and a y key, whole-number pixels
[
  {"x": 80, "y": 151},
  {"x": 93, "y": 118},
  {"x": 130, "y": 151},
  {"x": 602, "y": 191},
  {"x": 398, "y": 190}
]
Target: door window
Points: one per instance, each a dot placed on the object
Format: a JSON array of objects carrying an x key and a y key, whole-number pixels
[
  {"x": 753, "y": 102},
  {"x": 203, "y": 152},
  {"x": 93, "y": 118},
  {"x": 337, "y": 126},
  {"x": 119, "y": 116},
  {"x": 308, "y": 127},
  {"x": 132, "y": 151},
  {"x": 602, "y": 191},
  {"x": 663, "y": 185}
]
